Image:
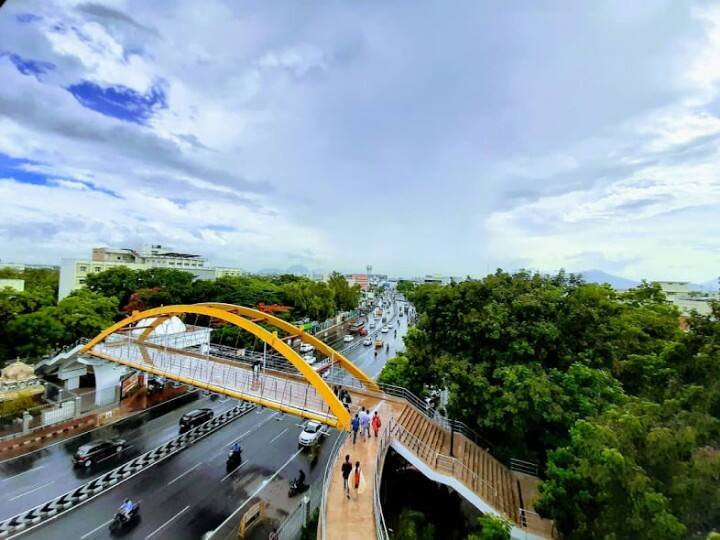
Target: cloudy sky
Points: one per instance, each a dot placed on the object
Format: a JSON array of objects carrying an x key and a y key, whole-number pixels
[{"x": 420, "y": 137}]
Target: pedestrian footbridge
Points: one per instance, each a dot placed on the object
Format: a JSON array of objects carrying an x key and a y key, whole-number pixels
[
  {"x": 443, "y": 450},
  {"x": 292, "y": 386}
]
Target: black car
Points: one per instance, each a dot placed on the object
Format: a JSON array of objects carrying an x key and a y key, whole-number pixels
[
  {"x": 194, "y": 419},
  {"x": 96, "y": 451}
]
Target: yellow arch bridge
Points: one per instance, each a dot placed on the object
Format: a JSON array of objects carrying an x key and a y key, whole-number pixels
[{"x": 136, "y": 342}]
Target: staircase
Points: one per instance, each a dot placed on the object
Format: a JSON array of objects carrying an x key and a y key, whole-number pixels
[{"x": 482, "y": 474}]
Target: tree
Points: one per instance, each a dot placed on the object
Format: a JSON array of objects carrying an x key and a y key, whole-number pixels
[
  {"x": 85, "y": 314},
  {"x": 310, "y": 298},
  {"x": 413, "y": 525},
  {"x": 491, "y": 527},
  {"x": 119, "y": 282},
  {"x": 176, "y": 284},
  {"x": 346, "y": 297},
  {"x": 405, "y": 287},
  {"x": 37, "y": 333},
  {"x": 143, "y": 299}
]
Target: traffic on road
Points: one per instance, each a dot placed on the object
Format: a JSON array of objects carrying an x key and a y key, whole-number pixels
[{"x": 194, "y": 491}]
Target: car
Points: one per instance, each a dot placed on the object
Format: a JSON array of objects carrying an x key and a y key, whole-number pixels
[
  {"x": 385, "y": 330},
  {"x": 311, "y": 434},
  {"x": 310, "y": 358},
  {"x": 348, "y": 338},
  {"x": 194, "y": 418},
  {"x": 97, "y": 451},
  {"x": 306, "y": 348},
  {"x": 379, "y": 343},
  {"x": 367, "y": 342},
  {"x": 372, "y": 325}
]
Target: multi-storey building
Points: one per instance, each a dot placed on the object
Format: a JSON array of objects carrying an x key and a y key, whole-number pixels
[{"x": 74, "y": 272}]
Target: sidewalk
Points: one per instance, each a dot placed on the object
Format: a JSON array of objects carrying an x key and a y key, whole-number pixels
[{"x": 353, "y": 519}]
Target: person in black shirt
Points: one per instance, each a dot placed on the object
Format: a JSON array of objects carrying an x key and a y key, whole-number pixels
[{"x": 346, "y": 470}]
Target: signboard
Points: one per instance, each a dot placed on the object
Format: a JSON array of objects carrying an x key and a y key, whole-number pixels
[{"x": 128, "y": 385}]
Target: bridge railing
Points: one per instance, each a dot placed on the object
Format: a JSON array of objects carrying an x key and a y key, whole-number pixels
[
  {"x": 445, "y": 463},
  {"x": 381, "y": 531},
  {"x": 334, "y": 452}
]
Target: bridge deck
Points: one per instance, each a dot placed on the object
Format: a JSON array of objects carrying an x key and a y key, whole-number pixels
[{"x": 273, "y": 389}]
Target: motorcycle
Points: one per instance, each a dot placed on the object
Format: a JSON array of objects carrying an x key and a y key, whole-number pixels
[
  {"x": 234, "y": 460},
  {"x": 121, "y": 522},
  {"x": 296, "y": 488}
]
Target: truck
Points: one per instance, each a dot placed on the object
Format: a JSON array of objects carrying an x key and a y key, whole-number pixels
[{"x": 357, "y": 327}]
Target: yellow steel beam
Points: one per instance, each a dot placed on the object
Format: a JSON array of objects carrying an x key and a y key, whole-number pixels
[
  {"x": 304, "y": 336},
  {"x": 337, "y": 408},
  {"x": 329, "y": 420}
]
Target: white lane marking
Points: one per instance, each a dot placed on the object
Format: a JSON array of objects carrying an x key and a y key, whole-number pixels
[
  {"x": 168, "y": 522},
  {"x": 186, "y": 472},
  {"x": 258, "y": 490},
  {"x": 96, "y": 529},
  {"x": 32, "y": 490},
  {"x": 28, "y": 471},
  {"x": 236, "y": 469},
  {"x": 276, "y": 437}
]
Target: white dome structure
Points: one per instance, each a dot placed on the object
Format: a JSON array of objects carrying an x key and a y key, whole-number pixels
[{"x": 168, "y": 327}]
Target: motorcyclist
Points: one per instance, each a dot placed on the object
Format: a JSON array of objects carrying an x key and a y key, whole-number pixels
[
  {"x": 387, "y": 348},
  {"x": 301, "y": 478},
  {"x": 235, "y": 447},
  {"x": 126, "y": 507}
]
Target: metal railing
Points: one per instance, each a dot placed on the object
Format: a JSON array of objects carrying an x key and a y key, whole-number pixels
[
  {"x": 381, "y": 531},
  {"x": 526, "y": 467},
  {"x": 322, "y": 525},
  {"x": 445, "y": 463},
  {"x": 533, "y": 522}
]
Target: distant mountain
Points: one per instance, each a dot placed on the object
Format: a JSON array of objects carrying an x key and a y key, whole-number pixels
[
  {"x": 707, "y": 286},
  {"x": 298, "y": 270},
  {"x": 598, "y": 276}
]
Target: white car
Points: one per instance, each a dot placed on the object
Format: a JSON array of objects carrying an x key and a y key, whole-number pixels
[
  {"x": 348, "y": 338},
  {"x": 310, "y": 359},
  {"x": 306, "y": 348},
  {"x": 367, "y": 341},
  {"x": 372, "y": 325},
  {"x": 311, "y": 433},
  {"x": 385, "y": 330}
]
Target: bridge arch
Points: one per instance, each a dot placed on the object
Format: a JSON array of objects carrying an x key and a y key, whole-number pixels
[{"x": 238, "y": 316}]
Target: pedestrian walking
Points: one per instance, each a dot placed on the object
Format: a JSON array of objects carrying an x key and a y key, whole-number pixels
[
  {"x": 346, "y": 470},
  {"x": 273, "y": 535},
  {"x": 356, "y": 478},
  {"x": 355, "y": 426},
  {"x": 376, "y": 423},
  {"x": 365, "y": 423}
]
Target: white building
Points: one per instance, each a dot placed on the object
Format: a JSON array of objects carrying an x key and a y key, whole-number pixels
[
  {"x": 74, "y": 272},
  {"x": 679, "y": 293}
]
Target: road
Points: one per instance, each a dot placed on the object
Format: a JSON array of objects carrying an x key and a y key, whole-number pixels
[
  {"x": 34, "y": 478},
  {"x": 192, "y": 493}
]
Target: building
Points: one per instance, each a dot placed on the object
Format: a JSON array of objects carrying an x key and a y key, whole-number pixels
[
  {"x": 74, "y": 272},
  {"x": 680, "y": 294},
  {"x": 21, "y": 267},
  {"x": 16, "y": 284},
  {"x": 359, "y": 279}
]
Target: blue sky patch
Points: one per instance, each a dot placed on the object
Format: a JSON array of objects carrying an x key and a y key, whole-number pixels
[
  {"x": 16, "y": 169},
  {"x": 120, "y": 101},
  {"x": 13, "y": 168},
  {"x": 27, "y": 66}
]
